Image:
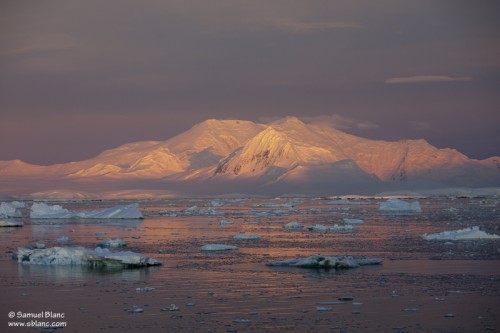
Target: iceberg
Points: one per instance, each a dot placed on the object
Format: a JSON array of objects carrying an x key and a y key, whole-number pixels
[
  {"x": 40, "y": 210},
  {"x": 10, "y": 209},
  {"x": 396, "y": 205},
  {"x": 318, "y": 261},
  {"x": 11, "y": 224},
  {"x": 218, "y": 247},
  {"x": 246, "y": 237},
  {"x": 463, "y": 234},
  {"x": 114, "y": 242},
  {"x": 98, "y": 257},
  {"x": 225, "y": 222}
]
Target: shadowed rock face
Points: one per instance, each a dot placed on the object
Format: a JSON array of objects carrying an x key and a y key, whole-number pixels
[{"x": 326, "y": 262}]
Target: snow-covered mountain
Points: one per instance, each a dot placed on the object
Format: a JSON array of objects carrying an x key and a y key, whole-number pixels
[{"x": 284, "y": 153}]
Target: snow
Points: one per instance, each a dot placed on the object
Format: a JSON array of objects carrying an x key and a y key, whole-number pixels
[
  {"x": 318, "y": 261},
  {"x": 11, "y": 224},
  {"x": 335, "y": 228},
  {"x": 353, "y": 221},
  {"x": 40, "y": 210},
  {"x": 10, "y": 209},
  {"x": 396, "y": 205},
  {"x": 81, "y": 256},
  {"x": 463, "y": 234},
  {"x": 246, "y": 237},
  {"x": 218, "y": 247}
]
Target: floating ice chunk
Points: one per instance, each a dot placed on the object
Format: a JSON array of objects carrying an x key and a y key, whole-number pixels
[
  {"x": 463, "y": 234},
  {"x": 246, "y": 237},
  {"x": 318, "y": 261},
  {"x": 217, "y": 203},
  {"x": 191, "y": 210},
  {"x": 82, "y": 256},
  {"x": 40, "y": 210},
  {"x": 9, "y": 209},
  {"x": 114, "y": 242},
  {"x": 353, "y": 221},
  {"x": 225, "y": 222},
  {"x": 396, "y": 205},
  {"x": 11, "y": 224},
  {"x": 218, "y": 247},
  {"x": 63, "y": 239},
  {"x": 335, "y": 228},
  {"x": 117, "y": 212},
  {"x": 293, "y": 225}
]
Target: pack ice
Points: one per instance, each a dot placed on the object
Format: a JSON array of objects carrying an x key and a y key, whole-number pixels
[
  {"x": 318, "y": 261},
  {"x": 98, "y": 257},
  {"x": 462, "y": 234},
  {"x": 397, "y": 205},
  {"x": 40, "y": 210}
]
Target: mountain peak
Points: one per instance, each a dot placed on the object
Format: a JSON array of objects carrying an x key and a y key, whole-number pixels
[{"x": 288, "y": 121}]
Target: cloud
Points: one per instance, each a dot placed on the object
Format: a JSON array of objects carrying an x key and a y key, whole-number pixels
[
  {"x": 298, "y": 27},
  {"x": 425, "y": 78}
]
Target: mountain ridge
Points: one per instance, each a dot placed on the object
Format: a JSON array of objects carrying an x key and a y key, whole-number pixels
[{"x": 286, "y": 151}]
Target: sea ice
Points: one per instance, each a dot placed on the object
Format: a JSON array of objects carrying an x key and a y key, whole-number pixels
[
  {"x": 318, "y": 261},
  {"x": 40, "y": 210},
  {"x": 114, "y": 242},
  {"x": 396, "y": 205},
  {"x": 11, "y": 224},
  {"x": 335, "y": 228},
  {"x": 10, "y": 209},
  {"x": 218, "y": 247},
  {"x": 463, "y": 234},
  {"x": 98, "y": 257},
  {"x": 293, "y": 225},
  {"x": 353, "y": 221},
  {"x": 246, "y": 237}
]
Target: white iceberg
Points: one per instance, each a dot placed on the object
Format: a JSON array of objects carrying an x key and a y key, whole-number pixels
[
  {"x": 463, "y": 234},
  {"x": 246, "y": 237},
  {"x": 318, "y": 261},
  {"x": 40, "y": 210},
  {"x": 335, "y": 228},
  {"x": 98, "y": 257},
  {"x": 396, "y": 205},
  {"x": 293, "y": 226},
  {"x": 218, "y": 247},
  {"x": 10, "y": 209},
  {"x": 353, "y": 221},
  {"x": 11, "y": 224}
]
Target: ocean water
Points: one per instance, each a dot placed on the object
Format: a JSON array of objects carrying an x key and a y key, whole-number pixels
[{"x": 422, "y": 286}]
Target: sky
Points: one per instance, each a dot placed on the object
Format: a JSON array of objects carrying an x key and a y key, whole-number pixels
[{"x": 78, "y": 77}]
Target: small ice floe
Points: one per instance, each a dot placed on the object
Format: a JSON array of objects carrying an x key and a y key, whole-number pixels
[
  {"x": 145, "y": 289},
  {"x": 40, "y": 210},
  {"x": 11, "y": 224},
  {"x": 323, "y": 308},
  {"x": 9, "y": 209},
  {"x": 225, "y": 222},
  {"x": 318, "y": 261},
  {"x": 246, "y": 237},
  {"x": 335, "y": 228},
  {"x": 289, "y": 204},
  {"x": 353, "y": 221},
  {"x": 114, "y": 242},
  {"x": 40, "y": 245},
  {"x": 396, "y": 205},
  {"x": 193, "y": 210},
  {"x": 217, "y": 203},
  {"x": 347, "y": 202},
  {"x": 63, "y": 239},
  {"x": 218, "y": 247},
  {"x": 98, "y": 257},
  {"x": 242, "y": 321},
  {"x": 293, "y": 226},
  {"x": 168, "y": 213},
  {"x": 173, "y": 307},
  {"x": 463, "y": 234}
]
